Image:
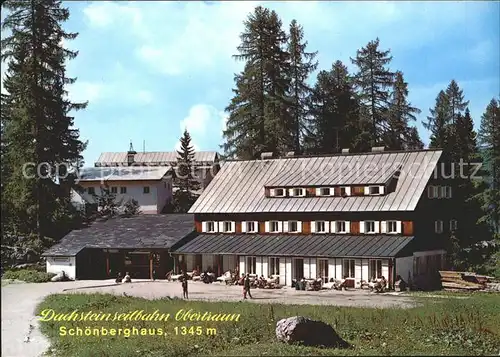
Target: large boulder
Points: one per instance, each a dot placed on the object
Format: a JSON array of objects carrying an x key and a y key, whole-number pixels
[{"x": 299, "y": 329}]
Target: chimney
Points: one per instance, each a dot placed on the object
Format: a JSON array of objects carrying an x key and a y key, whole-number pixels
[
  {"x": 130, "y": 154},
  {"x": 266, "y": 155},
  {"x": 290, "y": 154},
  {"x": 345, "y": 151},
  {"x": 378, "y": 148}
]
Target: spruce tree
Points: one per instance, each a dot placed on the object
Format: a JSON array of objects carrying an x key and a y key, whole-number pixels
[
  {"x": 302, "y": 64},
  {"x": 259, "y": 113},
  {"x": 456, "y": 101},
  {"x": 188, "y": 184},
  {"x": 374, "y": 80},
  {"x": 438, "y": 122},
  {"x": 399, "y": 135},
  {"x": 38, "y": 123},
  {"x": 334, "y": 113},
  {"x": 489, "y": 140}
]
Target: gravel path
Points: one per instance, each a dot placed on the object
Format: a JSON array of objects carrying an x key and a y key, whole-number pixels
[{"x": 22, "y": 338}]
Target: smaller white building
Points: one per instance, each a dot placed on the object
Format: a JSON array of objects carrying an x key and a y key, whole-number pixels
[
  {"x": 150, "y": 186},
  {"x": 57, "y": 264}
]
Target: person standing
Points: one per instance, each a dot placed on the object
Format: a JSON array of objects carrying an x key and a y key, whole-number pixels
[
  {"x": 184, "y": 282},
  {"x": 246, "y": 287}
]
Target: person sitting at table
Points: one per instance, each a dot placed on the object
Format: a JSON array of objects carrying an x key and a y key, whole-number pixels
[{"x": 127, "y": 278}]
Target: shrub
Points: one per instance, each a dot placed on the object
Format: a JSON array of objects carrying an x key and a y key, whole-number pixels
[{"x": 28, "y": 275}]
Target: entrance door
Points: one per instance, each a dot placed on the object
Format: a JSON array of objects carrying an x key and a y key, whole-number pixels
[
  {"x": 323, "y": 270},
  {"x": 298, "y": 268},
  {"x": 116, "y": 264}
]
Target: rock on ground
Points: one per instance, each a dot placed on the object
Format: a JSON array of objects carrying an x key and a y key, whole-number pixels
[{"x": 308, "y": 332}]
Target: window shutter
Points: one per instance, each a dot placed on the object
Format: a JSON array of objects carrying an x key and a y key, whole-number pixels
[
  {"x": 333, "y": 227},
  {"x": 383, "y": 227},
  {"x": 348, "y": 191},
  {"x": 244, "y": 227},
  {"x": 299, "y": 226},
  {"x": 377, "y": 226},
  {"x": 221, "y": 226},
  {"x": 367, "y": 190},
  {"x": 290, "y": 192},
  {"x": 398, "y": 227},
  {"x": 285, "y": 226},
  {"x": 318, "y": 192},
  {"x": 382, "y": 190},
  {"x": 256, "y": 226},
  {"x": 280, "y": 226},
  {"x": 327, "y": 227},
  {"x": 272, "y": 192},
  {"x": 347, "y": 226},
  {"x": 361, "y": 226},
  {"x": 313, "y": 226},
  {"x": 233, "y": 227},
  {"x": 203, "y": 226},
  {"x": 267, "y": 227}
]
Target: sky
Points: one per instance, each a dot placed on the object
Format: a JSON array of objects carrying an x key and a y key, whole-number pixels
[{"x": 151, "y": 69}]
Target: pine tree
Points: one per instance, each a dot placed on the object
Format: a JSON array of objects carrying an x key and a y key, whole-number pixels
[
  {"x": 188, "y": 185},
  {"x": 438, "y": 122},
  {"x": 302, "y": 64},
  {"x": 489, "y": 140},
  {"x": 399, "y": 135},
  {"x": 37, "y": 126},
  {"x": 373, "y": 81},
  {"x": 259, "y": 113}
]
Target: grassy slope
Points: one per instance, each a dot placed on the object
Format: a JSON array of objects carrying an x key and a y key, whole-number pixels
[{"x": 439, "y": 327}]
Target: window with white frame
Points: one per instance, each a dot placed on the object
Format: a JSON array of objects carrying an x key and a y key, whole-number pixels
[
  {"x": 442, "y": 192},
  {"x": 348, "y": 268},
  {"x": 432, "y": 191},
  {"x": 297, "y": 192},
  {"x": 320, "y": 226},
  {"x": 374, "y": 190},
  {"x": 274, "y": 266},
  {"x": 210, "y": 227},
  {"x": 323, "y": 270},
  {"x": 227, "y": 226},
  {"x": 392, "y": 226},
  {"x": 369, "y": 226},
  {"x": 448, "y": 192},
  {"x": 250, "y": 227},
  {"x": 91, "y": 190},
  {"x": 438, "y": 226},
  {"x": 340, "y": 227},
  {"x": 375, "y": 269},
  {"x": 251, "y": 265},
  {"x": 324, "y": 191},
  {"x": 274, "y": 226},
  {"x": 278, "y": 192},
  {"x": 293, "y": 226},
  {"x": 453, "y": 225}
]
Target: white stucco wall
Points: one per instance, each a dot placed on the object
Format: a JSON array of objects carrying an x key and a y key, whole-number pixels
[
  {"x": 57, "y": 264},
  {"x": 150, "y": 203}
]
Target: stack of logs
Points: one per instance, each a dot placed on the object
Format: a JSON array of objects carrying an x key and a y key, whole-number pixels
[{"x": 465, "y": 281}]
